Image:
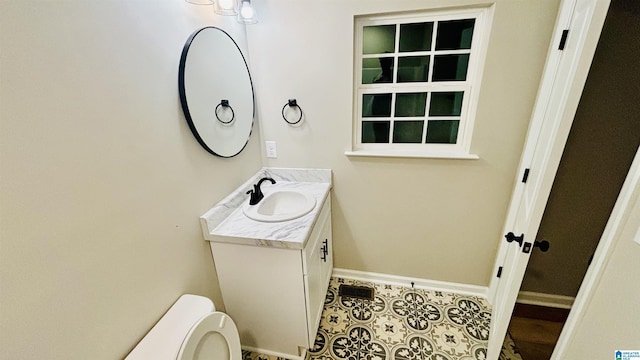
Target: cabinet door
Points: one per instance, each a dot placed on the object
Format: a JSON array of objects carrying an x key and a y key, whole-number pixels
[
  {"x": 326, "y": 265},
  {"x": 319, "y": 263}
]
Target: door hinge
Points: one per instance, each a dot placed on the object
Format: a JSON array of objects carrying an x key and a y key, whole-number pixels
[
  {"x": 499, "y": 272},
  {"x": 563, "y": 39},
  {"x": 525, "y": 176}
]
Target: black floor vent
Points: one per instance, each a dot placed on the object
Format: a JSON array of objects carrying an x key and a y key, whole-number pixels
[{"x": 360, "y": 292}]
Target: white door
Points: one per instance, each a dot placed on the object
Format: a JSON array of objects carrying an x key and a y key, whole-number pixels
[{"x": 562, "y": 83}]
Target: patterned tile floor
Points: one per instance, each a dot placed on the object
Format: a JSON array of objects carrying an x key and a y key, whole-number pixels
[
  {"x": 509, "y": 350},
  {"x": 401, "y": 323}
]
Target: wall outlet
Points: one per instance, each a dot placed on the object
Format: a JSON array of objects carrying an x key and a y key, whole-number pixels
[{"x": 272, "y": 150}]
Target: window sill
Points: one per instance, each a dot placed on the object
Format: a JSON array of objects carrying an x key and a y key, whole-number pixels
[{"x": 410, "y": 154}]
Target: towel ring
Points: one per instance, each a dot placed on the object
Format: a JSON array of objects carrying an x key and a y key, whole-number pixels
[
  {"x": 225, "y": 104},
  {"x": 291, "y": 103}
]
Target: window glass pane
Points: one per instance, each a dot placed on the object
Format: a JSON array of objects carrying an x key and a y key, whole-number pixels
[
  {"x": 442, "y": 131},
  {"x": 446, "y": 103},
  {"x": 450, "y": 67},
  {"x": 378, "y": 39},
  {"x": 375, "y": 131},
  {"x": 407, "y": 131},
  {"x": 415, "y": 37},
  {"x": 410, "y": 104},
  {"x": 376, "y": 105},
  {"x": 455, "y": 34},
  {"x": 413, "y": 68},
  {"x": 377, "y": 70}
]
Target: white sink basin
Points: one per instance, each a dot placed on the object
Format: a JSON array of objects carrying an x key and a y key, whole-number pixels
[{"x": 280, "y": 206}]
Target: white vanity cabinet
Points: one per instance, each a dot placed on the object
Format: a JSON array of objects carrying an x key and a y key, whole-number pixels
[{"x": 275, "y": 294}]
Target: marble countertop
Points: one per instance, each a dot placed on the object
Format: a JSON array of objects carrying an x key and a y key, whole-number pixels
[{"x": 225, "y": 221}]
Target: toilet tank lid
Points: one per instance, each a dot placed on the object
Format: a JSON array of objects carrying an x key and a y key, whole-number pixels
[{"x": 164, "y": 340}]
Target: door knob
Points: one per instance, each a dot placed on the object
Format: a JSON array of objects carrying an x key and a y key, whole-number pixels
[
  {"x": 543, "y": 245},
  {"x": 512, "y": 237}
]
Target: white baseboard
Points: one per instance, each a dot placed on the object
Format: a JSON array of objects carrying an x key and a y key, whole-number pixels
[
  {"x": 473, "y": 290},
  {"x": 548, "y": 300}
]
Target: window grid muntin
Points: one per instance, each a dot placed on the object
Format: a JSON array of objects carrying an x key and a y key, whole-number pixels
[
  {"x": 431, "y": 53},
  {"x": 392, "y": 119},
  {"x": 482, "y": 20}
]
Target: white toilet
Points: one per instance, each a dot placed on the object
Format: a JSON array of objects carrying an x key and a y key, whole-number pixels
[{"x": 190, "y": 330}]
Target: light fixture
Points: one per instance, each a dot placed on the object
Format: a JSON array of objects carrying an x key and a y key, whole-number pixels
[
  {"x": 226, "y": 7},
  {"x": 200, "y": 2},
  {"x": 247, "y": 14}
]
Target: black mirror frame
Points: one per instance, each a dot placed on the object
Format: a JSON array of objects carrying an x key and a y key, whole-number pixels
[{"x": 183, "y": 95}]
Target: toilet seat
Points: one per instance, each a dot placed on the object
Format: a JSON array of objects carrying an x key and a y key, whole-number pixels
[{"x": 214, "y": 336}]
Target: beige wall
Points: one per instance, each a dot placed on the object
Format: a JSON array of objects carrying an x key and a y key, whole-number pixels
[
  {"x": 425, "y": 218},
  {"x": 603, "y": 140},
  {"x": 102, "y": 182}
]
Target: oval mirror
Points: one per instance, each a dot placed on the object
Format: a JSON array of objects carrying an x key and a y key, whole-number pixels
[{"x": 216, "y": 92}]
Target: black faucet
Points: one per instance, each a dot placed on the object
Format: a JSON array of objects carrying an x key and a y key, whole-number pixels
[{"x": 256, "y": 193}]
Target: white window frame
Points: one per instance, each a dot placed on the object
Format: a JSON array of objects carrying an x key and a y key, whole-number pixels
[{"x": 459, "y": 150}]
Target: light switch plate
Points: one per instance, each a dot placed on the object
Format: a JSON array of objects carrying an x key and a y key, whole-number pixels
[{"x": 272, "y": 150}]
